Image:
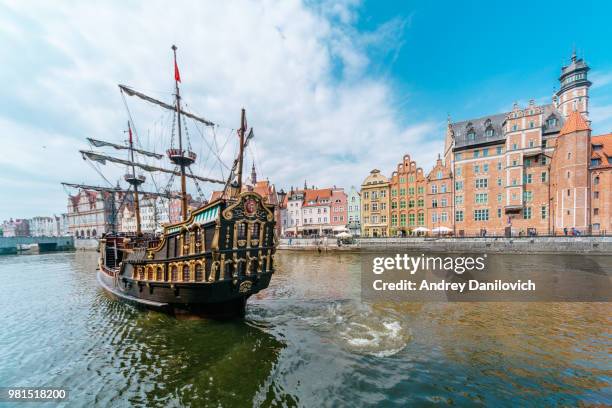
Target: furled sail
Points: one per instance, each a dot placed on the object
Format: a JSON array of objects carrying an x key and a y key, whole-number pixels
[
  {"x": 101, "y": 158},
  {"x": 101, "y": 143},
  {"x": 120, "y": 190},
  {"x": 147, "y": 98}
]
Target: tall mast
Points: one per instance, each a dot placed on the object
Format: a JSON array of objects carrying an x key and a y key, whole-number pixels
[
  {"x": 134, "y": 181},
  {"x": 241, "y": 133},
  {"x": 180, "y": 138},
  {"x": 136, "y": 201}
]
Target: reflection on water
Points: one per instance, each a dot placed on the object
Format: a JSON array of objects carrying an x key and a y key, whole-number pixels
[{"x": 308, "y": 341}]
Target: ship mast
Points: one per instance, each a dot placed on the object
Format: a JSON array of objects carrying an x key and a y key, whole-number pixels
[
  {"x": 136, "y": 201},
  {"x": 177, "y": 78},
  {"x": 241, "y": 133}
]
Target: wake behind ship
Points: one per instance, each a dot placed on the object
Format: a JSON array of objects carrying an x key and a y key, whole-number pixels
[{"x": 211, "y": 261}]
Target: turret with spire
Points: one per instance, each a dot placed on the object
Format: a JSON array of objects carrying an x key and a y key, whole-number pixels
[{"x": 573, "y": 93}]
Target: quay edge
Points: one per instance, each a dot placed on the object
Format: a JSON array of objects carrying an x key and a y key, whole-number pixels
[{"x": 516, "y": 245}]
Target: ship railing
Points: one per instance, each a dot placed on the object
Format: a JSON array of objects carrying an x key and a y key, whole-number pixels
[{"x": 203, "y": 268}]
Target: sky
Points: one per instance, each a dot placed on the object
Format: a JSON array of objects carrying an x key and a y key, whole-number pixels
[{"x": 332, "y": 89}]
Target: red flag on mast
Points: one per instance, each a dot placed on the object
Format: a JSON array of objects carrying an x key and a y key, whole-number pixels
[
  {"x": 130, "y": 132},
  {"x": 177, "y": 75}
]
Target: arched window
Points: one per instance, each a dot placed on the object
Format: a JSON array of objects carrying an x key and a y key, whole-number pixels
[
  {"x": 596, "y": 180},
  {"x": 186, "y": 277},
  {"x": 174, "y": 273},
  {"x": 255, "y": 234},
  {"x": 93, "y": 233},
  {"x": 199, "y": 273},
  {"x": 160, "y": 274},
  {"x": 242, "y": 229},
  {"x": 150, "y": 273},
  {"x": 197, "y": 236}
]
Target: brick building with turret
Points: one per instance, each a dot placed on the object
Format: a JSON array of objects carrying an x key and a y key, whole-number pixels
[{"x": 534, "y": 170}]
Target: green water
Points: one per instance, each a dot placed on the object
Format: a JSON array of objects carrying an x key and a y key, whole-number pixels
[{"x": 308, "y": 340}]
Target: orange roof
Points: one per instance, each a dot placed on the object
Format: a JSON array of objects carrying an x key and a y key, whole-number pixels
[
  {"x": 316, "y": 196},
  {"x": 605, "y": 152},
  {"x": 574, "y": 123}
]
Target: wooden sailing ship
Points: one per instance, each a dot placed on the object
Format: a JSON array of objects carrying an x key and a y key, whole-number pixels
[{"x": 211, "y": 261}]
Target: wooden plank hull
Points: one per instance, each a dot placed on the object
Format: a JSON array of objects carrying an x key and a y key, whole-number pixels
[
  {"x": 216, "y": 299},
  {"x": 208, "y": 265}
]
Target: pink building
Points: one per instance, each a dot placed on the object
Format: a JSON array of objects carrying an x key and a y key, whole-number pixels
[{"x": 339, "y": 208}]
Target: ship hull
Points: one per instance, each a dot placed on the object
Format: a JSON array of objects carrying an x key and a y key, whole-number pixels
[{"x": 216, "y": 300}]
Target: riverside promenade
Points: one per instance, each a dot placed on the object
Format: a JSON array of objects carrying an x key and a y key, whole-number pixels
[{"x": 600, "y": 245}]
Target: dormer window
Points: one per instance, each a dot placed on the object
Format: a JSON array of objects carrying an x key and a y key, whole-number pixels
[
  {"x": 551, "y": 122},
  {"x": 489, "y": 132},
  {"x": 471, "y": 135}
]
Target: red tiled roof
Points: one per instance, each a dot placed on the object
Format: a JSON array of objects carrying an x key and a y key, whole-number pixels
[
  {"x": 605, "y": 152},
  {"x": 574, "y": 123},
  {"x": 316, "y": 196}
]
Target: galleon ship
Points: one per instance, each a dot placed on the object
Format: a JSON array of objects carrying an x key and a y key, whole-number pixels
[{"x": 211, "y": 261}]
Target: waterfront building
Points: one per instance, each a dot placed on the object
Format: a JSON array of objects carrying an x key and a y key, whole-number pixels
[
  {"x": 534, "y": 170},
  {"x": 439, "y": 199},
  {"x": 154, "y": 213},
  {"x": 339, "y": 211},
  {"x": 63, "y": 225},
  {"x": 569, "y": 172},
  {"x": 16, "y": 228},
  {"x": 354, "y": 211},
  {"x": 316, "y": 212},
  {"x": 600, "y": 169},
  {"x": 90, "y": 213},
  {"x": 44, "y": 227},
  {"x": 294, "y": 219},
  {"x": 375, "y": 205},
  {"x": 408, "y": 192},
  {"x": 508, "y": 178}
]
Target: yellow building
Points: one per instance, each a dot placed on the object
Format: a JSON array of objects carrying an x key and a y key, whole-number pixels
[{"x": 375, "y": 205}]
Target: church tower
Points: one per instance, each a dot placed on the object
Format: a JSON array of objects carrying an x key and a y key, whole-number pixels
[{"x": 573, "y": 95}]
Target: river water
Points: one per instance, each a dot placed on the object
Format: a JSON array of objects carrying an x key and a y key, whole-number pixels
[{"x": 307, "y": 340}]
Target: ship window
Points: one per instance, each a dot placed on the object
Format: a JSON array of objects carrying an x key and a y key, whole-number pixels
[
  {"x": 255, "y": 231},
  {"x": 199, "y": 275},
  {"x": 242, "y": 228},
  {"x": 186, "y": 277}
]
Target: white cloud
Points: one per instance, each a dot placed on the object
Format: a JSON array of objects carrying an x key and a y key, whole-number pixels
[
  {"x": 601, "y": 79},
  {"x": 302, "y": 72}
]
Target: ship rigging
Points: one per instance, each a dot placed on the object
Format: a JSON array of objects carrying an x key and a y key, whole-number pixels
[{"x": 210, "y": 261}]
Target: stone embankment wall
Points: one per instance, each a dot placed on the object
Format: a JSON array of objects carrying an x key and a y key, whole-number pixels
[
  {"x": 87, "y": 244},
  {"x": 592, "y": 245}
]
